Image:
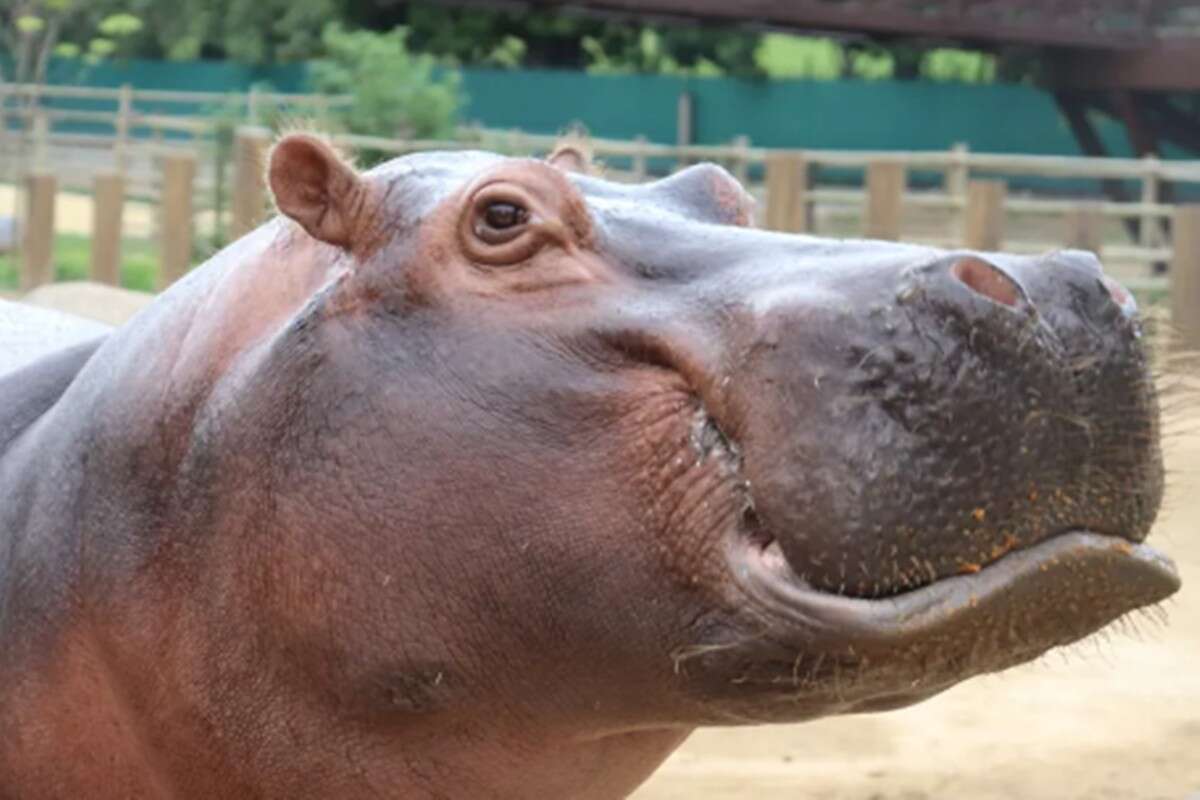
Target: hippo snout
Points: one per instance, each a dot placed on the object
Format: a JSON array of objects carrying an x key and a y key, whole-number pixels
[{"x": 932, "y": 418}]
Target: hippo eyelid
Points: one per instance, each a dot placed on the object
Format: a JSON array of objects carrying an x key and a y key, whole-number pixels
[{"x": 498, "y": 247}]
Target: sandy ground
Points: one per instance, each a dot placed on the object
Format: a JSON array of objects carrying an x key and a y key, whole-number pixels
[
  {"x": 73, "y": 214},
  {"x": 1117, "y": 717}
]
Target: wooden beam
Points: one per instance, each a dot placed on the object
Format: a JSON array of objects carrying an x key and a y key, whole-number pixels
[
  {"x": 1172, "y": 65},
  {"x": 886, "y": 181},
  {"x": 1075, "y": 107},
  {"x": 787, "y": 193},
  {"x": 1185, "y": 276},
  {"x": 1130, "y": 111},
  {"x": 175, "y": 246},
  {"x": 108, "y": 203},
  {"x": 985, "y": 215},
  {"x": 37, "y": 247},
  {"x": 250, "y": 146},
  {"x": 1172, "y": 124},
  {"x": 1085, "y": 228}
]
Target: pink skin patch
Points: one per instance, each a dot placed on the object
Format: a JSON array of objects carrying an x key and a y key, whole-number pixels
[{"x": 985, "y": 279}]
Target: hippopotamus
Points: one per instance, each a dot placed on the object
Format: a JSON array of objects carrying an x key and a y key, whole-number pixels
[{"x": 481, "y": 477}]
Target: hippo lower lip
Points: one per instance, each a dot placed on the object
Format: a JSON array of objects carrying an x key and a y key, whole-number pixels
[{"x": 1050, "y": 594}]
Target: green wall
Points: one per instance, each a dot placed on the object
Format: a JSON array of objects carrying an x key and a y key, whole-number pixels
[
  {"x": 810, "y": 114},
  {"x": 853, "y": 115}
]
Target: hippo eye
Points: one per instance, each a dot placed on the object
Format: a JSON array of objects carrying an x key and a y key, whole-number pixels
[
  {"x": 501, "y": 222},
  {"x": 504, "y": 225}
]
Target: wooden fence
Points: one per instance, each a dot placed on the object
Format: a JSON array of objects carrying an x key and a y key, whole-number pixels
[{"x": 947, "y": 199}]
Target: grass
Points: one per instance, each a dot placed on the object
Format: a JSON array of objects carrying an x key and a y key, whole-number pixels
[{"x": 72, "y": 257}]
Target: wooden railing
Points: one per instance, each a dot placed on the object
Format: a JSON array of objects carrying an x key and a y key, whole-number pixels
[{"x": 951, "y": 199}]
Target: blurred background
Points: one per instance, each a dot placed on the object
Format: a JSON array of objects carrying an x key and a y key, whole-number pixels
[{"x": 132, "y": 137}]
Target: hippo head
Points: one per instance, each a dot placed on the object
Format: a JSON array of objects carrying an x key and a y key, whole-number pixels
[{"x": 599, "y": 452}]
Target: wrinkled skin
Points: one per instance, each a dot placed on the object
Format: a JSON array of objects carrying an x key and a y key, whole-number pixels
[{"x": 482, "y": 478}]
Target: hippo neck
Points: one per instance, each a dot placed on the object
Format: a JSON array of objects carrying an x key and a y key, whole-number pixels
[
  {"x": 87, "y": 460},
  {"x": 106, "y": 638}
]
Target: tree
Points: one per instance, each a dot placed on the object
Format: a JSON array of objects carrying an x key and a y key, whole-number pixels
[
  {"x": 553, "y": 39},
  {"x": 34, "y": 30},
  {"x": 394, "y": 92}
]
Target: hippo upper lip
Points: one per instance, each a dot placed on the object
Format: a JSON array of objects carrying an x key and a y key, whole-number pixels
[{"x": 1094, "y": 577}]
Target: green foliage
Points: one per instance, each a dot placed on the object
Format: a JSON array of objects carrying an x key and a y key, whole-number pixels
[
  {"x": 481, "y": 38},
  {"x": 484, "y": 37},
  {"x": 118, "y": 25},
  {"x": 871, "y": 65},
  {"x": 33, "y": 30},
  {"x": 395, "y": 93},
  {"x": 959, "y": 65},
  {"x": 29, "y": 24},
  {"x": 72, "y": 262},
  {"x": 783, "y": 56},
  {"x": 648, "y": 52},
  {"x": 101, "y": 47},
  {"x": 248, "y": 31},
  {"x": 280, "y": 31}
]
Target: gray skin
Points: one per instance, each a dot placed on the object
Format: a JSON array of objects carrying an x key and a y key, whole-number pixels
[{"x": 481, "y": 477}]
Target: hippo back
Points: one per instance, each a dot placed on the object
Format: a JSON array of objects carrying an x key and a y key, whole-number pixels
[{"x": 28, "y": 334}]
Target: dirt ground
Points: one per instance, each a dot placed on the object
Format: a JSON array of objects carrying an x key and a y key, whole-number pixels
[{"x": 1116, "y": 717}]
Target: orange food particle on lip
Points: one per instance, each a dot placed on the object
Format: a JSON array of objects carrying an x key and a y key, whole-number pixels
[
  {"x": 1124, "y": 547},
  {"x": 1004, "y": 548},
  {"x": 980, "y": 514},
  {"x": 969, "y": 569}
]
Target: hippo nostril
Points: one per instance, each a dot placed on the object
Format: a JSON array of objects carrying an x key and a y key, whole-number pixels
[
  {"x": 1120, "y": 295},
  {"x": 985, "y": 279}
]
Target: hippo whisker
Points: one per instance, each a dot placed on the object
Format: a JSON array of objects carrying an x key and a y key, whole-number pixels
[{"x": 681, "y": 655}]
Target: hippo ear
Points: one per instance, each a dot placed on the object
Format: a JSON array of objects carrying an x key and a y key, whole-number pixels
[
  {"x": 572, "y": 157},
  {"x": 316, "y": 188}
]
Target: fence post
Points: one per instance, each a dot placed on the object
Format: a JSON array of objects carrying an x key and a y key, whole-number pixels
[
  {"x": 175, "y": 254},
  {"x": 321, "y": 111},
  {"x": 787, "y": 193},
  {"x": 958, "y": 176},
  {"x": 1185, "y": 276},
  {"x": 108, "y": 202},
  {"x": 123, "y": 124},
  {"x": 685, "y": 123},
  {"x": 886, "y": 181},
  {"x": 639, "y": 159},
  {"x": 1085, "y": 228},
  {"x": 252, "y": 103},
  {"x": 741, "y": 162},
  {"x": 40, "y": 130},
  {"x": 1149, "y": 233},
  {"x": 37, "y": 248},
  {"x": 249, "y": 192},
  {"x": 985, "y": 215},
  {"x": 4, "y": 153}
]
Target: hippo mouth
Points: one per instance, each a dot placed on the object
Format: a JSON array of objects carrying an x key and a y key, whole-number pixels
[
  {"x": 1028, "y": 601},
  {"x": 971, "y": 464}
]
